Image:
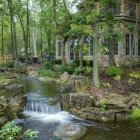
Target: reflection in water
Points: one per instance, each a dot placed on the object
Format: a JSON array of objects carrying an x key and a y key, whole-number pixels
[
  {"x": 46, "y": 121},
  {"x": 33, "y": 85}
]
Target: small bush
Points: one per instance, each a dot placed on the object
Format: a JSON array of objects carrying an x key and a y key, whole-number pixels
[
  {"x": 63, "y": 68},
  {"x": 8, "y": 64},
  {"x": 10, "y": 131},
  {"x": 106, "y": 85},
  {"x": 113, "y": 71},
  {"x": 88, "y": 71},
  {"x": 135, "y": 114},
  {"x": 102, "y": 104},
  {"x": 48, "y": 65},
  {"x": 59, "y": 62},
  {"x": 79, "y": 70},
  {"x": 134, "y": 75},
  {"x": 117, "y": 78},
  {"x": 2, "y": 79},
  {"x": 31, "y": 134},
  {"x": 72, "y": 67},
  {"x": 46, "y": 73}
]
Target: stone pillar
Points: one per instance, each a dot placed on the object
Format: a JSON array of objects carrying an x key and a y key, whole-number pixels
[{"x": 122, "y": 46}]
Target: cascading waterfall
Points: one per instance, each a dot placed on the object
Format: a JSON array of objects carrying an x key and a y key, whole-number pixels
[
  {"x": 39, "y": 104},
  {"x": 42, "y": 102}
]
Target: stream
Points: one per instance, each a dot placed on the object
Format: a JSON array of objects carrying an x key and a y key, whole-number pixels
[{"x": 44, "y": 114}]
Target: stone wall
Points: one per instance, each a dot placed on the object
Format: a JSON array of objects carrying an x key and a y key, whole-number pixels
[
  {"x": 97, "y": 106},
  {"x": 12, "y": 101}
]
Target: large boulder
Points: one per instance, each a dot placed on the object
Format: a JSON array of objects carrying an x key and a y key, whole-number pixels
[
  {"x": 96, "y": 114},
  {"x": 3, "y": 119},
  {"x": 64, "y": 77},
  {"x": 69, "y": 131},
  {"x": 81, "y": 83},
  {"x": 111, "y": 101},
  {"x": 79, "y": 100},
  {"x": 3, "y": 105},
  {"x": 75, "y": 100},
  {"x": 15, "y": 105},
  {"x": 74, "y": 84},
  {"x": 15, "y": 89},
  {"x": 133, "y": 100},
  {"x": 67, "y": 88}
]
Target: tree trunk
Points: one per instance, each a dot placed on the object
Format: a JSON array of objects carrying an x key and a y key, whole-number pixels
[
  {"x": 81, "y": 43},
  {"x": 48, "y": 33},
  {"x": 27, "y": 33},
  {"x": 111, "y": 52},
  {"x": 34, "y": 42},
  {"x": 2, "y": 33},
  {"x": 41, "y": 45},
  {"x": 49, "y": 44},
  {"x": 11, "y": 27},
  {"x": 55, "y": 22},
  {"x": 95, "y": 58},
  {"x": 15, "y": 42},
  {"x": 23, "y": 31},
  {"x": 13, "y": 32},
  {"x": 63, "y": 52}
]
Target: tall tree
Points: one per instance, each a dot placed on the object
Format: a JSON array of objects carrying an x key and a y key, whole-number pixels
[{"x": 13, "y": 31}]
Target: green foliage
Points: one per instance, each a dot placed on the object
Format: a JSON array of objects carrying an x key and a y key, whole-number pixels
[
  {"x": 79, "y": 70},
  {"x": 88, "y": 70},
  {"x": 7, "y": 64},
  {"x": 113, "y": 71},
  {"x": 57, "y": 61},
  {"x": 63, "y": 68},
  {"x": 48, "y": 65},
  {"x": 102, "y": 104},
  {"x": 70, "y": 68},
  {"x": 2, "y": 79},
  {"x": 135, "y": 114},
  {"x": 10, "y": 131},
  {"x": 106, "y": 85},
  {"x": 117, "y": 78},
  {"x": 134, "y": 75},
  {"x": 31, "y": 134},
  {"x": 46, "y": 73}
]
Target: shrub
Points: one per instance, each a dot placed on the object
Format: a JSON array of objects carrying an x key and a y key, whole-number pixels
[
  {"x": 59, "y": 62},
  {"x": 46, "y": 73},
  {"x": 63, "y": 68},
  {"x": 48, "y": 65},
  {"x": 102, "y": 104},
  {"x": 10, "y": 131},
  {"x": 79, "y": 70},
  {"x": 117, "y": 78},
  {"x": 135, "y": 114},
  {"x": 106, "y": 85},
  {"x": 31, "y": 134},
  {"x": 72, "y": 67},
  {"x": 73, "y": 64},
  {"x": 8, "y": 64},
  {"x": 113, "y": 71},
  {"x": 2, "y": 79},
  {"x": 134, "y": 75},
  {"x": 88, "y": 70}
]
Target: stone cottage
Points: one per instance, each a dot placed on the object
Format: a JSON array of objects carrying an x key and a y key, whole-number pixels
[{"x": 125, "y": 50}]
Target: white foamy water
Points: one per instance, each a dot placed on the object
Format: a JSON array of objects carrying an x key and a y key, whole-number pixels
[
  {"x": 37, "y": 108},
  {"x": 60, "y": 117}
]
